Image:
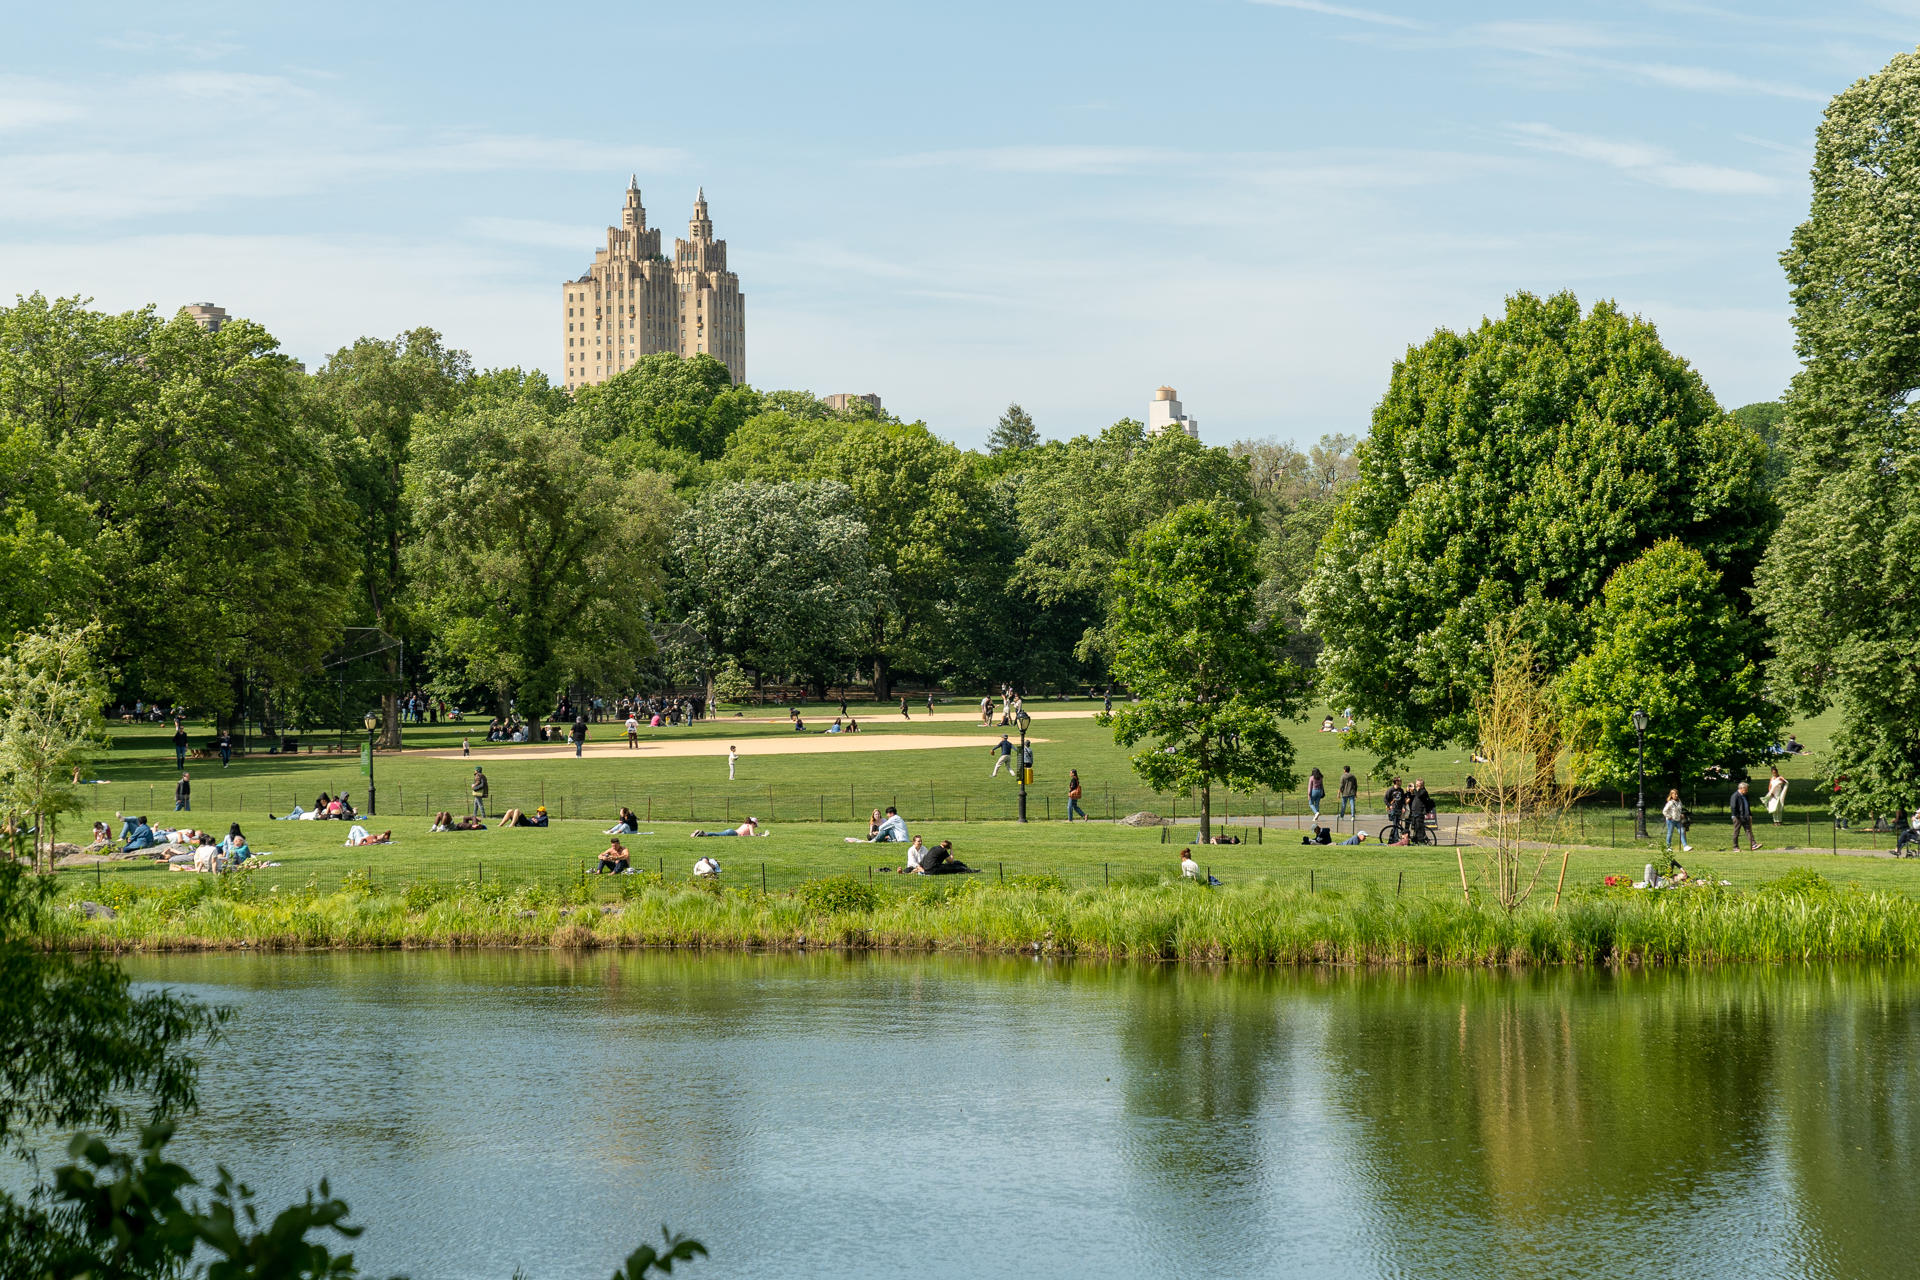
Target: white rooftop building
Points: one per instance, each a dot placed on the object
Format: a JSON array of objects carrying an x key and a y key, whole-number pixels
[{"x": 1164, "y": 415}]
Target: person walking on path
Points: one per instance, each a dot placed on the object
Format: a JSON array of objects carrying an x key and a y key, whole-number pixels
[
  {"x": 183, "y": 794},
  {"x": 579, "y": 736},
  {"x": 479, "y": 789},
  {"x": 1776, "y": 795},
  {"x": 1741, "y": 809},
  {"x": 1316, "y": 790},
  {"x": 1002, "y": 754},
  {"x": 1349, "y": 793},
  {"x": 179, "y": 745},
  {"x": 226, "y": 749},
  {"x": 733, "y": 758},
  {"x": 1675, "y": 813},
  {"x": 1073, "y": 796}
]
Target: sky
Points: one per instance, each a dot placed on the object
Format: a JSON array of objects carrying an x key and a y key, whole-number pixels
[{"x": 1262, "y": 203}]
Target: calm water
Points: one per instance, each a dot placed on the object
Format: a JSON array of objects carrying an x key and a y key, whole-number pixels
[{"x": 885, "y": 1117}]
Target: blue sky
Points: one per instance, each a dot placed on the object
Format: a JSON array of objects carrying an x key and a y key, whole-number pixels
[{"x": 954, "y": 206}]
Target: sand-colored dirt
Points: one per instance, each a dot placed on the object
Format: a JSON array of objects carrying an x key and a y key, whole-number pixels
[{"x": 800, "y": 744}]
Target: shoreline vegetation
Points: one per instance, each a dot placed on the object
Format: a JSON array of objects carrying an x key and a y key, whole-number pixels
[{"x": 1798, "y": 917}]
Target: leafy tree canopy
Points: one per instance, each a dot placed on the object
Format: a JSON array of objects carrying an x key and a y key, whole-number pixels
[
  {"x": 688, "y": 404},
  {"x": 1014, "y": 432},
  {"x": 1510, "y": 471}
]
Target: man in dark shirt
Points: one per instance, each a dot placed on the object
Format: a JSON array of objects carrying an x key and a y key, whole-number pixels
[
  {"x": 579, "y": 736},
  {"x": 183, "y": 794},
  {"x": 179, "y": 745},
  {"x": 226, "y": 748},
  {"x": 1741, "y": 810},
  {"x": 1395, "y": 798}
]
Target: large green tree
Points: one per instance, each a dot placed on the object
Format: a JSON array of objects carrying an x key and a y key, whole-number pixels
[
  {"x": 1511, "y": 469},
  {"x": 1014, "y": 433},
  {"x": 1298, "y": 492},
  {"x": 534, "y": 562},
  {"x": 216, "y": 531},
  {"x": 778, "y": 576},
  {"x": 685, "y": 405},
  {"x": 1840, "y": 588},
  {"x": 1213, "y": 685},
  {"x": 1667, "y": 640},
  {"x": 51, "y": 693}
]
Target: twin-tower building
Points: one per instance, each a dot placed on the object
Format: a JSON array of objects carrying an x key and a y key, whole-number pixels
[{"x": 633, "y": 302}]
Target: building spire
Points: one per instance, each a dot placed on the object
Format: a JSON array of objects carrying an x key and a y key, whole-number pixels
[{"x": 633, "y": 182}]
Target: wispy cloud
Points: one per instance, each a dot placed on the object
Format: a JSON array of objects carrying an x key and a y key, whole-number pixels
[
  {"x": 171, "y": 44},
  {"x": 1078, "y": 160},
  {"x": 1646, "y": 162},
  {"x": 1373, "y": 16}
]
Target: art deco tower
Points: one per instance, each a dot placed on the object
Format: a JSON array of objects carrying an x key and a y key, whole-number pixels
[{"x": 632, "y": 302}]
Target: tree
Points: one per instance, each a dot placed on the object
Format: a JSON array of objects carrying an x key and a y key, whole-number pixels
[
  {"x": 1298, "y": 494},
  {"x": 1213, "y": 686},
  {"x": 533, "y": 561},
  {"x": 1014, "y": 433},
  {"x": 1510, "y": 471},
  {"x": 1667, "y": 641},
  {"x": 1082, "y": 502},
  {"x": 687, "y": 404},
  {"x": 778, "y": 576},
  {"x": 1520, "y": 732},
  {"x": 1840, "y": 587},
  {"x": 50, "y": 699}
]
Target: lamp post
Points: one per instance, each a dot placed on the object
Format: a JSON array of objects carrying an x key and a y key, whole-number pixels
[
  {"x": 372, "y": 722},
  {"x": 1640, "y": 805},
  {"x": 1026, "y": 764}
]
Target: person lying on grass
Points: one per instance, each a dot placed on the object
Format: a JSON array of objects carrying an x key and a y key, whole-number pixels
[
  {"x": 751, "y": 827},
  {"x": 444, "y": 821},
  {"x": 615, "y": 861},
  {"x": 359, "y": 836},
  {"x": 1358, "y": 837},
  {"x": 516, "y": 818},
  {"x": 707, "y": 868}
]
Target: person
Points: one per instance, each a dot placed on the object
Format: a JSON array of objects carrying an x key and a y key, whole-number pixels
[
  {"x": 142, "y": 836},
  {"x": 1316, "y": 790},
  {"x": 183, "y": 794},
  {"x": 179, "y": 745},
  {"x": 358, "y": 835},
  {"x": 751, "y": 827},
  {"x": 836, "y": 727},
  {"x": 892, "y": 829},
  {"x": 1326, "y": 725},
  {"x": 479, "y": 789},
  {"x": 1349, "y": 792},
  {"x": 929, "y": 706},
  {"x": 515, "y": 818},
  {"x": 1188, "y": 867},
  {"x": 1002, "y": 752},
  {"x": 941, "y": 862},
  {"x": 916, "y": 856},
  {"x": 579, "y": 736},
  {"x": 1741, "y": 811},
  {"x": 102, "y": 837},
  {"x": 1675, "y": 813},
  {"x": 986, "y": 712},
  {"x": 226, "y": 748},
  {"x": 1793, "y": 746},
  {"x": 873, "y": 825},
  {"x": 629, "y": 823},
  {"x": 1106, "y": 703},
  {"x": 442, "y": 821},
  {"x": 733, "y": 758},
  {"x": 1909, "y": 834},
  {"x": 799, "y": 725},
  {"x": 1396, "y": 803},
  {"x": 904, "y": 713},
  {"x": 1321, "y": 835},
  {"x": 1420, "y": 809},
  {"x": 615, "y": 860},
  {"x": 539, "y": 818},
  {"x": 853, "y": 725},
  {"x": 1073, "y": 795},
  {"x": 707, "y": 868},
  {"x": 1776, "y": 795},
  {"x": 1358, "y": 837},
  {"x": 633, "y": 733}
]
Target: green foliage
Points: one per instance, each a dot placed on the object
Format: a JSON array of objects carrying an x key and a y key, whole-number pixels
[
  {"x": 834, "y": 894},
  {"x": 688, "y": 405},
  {"x": 1298, "y": 494},
  {"x": 1667, "y": 640},
  {"x": 1212, "y": 684},
  {"x": 532, "y": 559},
  {"x": 50, "y": 698},
  {"x": 1014, "y": 433},
  {"x": 1840, "y": 588},
  {"x": 1510, "y": 471}
]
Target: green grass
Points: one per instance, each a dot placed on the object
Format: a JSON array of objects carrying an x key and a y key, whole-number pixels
[{"x": 1801, "y": 918}]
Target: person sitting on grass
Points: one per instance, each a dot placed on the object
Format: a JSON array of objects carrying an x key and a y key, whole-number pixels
[
  {"x": 751, "y": 827},
  {"x": 916, "y": 857},
  {"x": 629, "y": 824},
  {"x": 853, "y": 725},
  {"x": 891, "y": 829},
  {"x": 941, "y": 862},
  {"x": 615, "y": 861},
  {"x": 707, "y": 868},
  {"x": 837, "y": 726},
  {"x": 1321, "y": 835},
  {"x": 235, "y": 845},
  {"x": 102, "y": 837},
  {"x": 143, "y": 836},
  {"x": 1188, "y": 867}
]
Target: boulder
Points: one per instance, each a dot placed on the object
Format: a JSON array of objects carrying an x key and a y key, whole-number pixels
[
  {"x": 1143, "y": 819},
  {"x": 97, "y": 911}
]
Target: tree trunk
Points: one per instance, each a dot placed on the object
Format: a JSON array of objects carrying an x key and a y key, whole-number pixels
[
  {"x": 882, "y": 679},
  {"x": 1206, "y": 812},
  {"x": 390, "y": 721}
]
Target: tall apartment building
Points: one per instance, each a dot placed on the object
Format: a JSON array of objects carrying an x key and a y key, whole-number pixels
[
  {"x": 206, "y": 315},
  {"x": 1164, "y": 414},
  {"x": 633, "y": 302}
]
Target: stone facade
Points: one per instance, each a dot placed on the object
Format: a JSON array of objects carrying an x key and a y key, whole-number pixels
[
  {"x": 633, "y": 302},
  {"x": 1164, "y": 414},
  {"x": 840, "y": 400},
  {"x": 206, "y": 315}
]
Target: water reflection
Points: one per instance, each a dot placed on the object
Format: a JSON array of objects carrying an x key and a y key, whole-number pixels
[{"x": 883, "y": 1116}]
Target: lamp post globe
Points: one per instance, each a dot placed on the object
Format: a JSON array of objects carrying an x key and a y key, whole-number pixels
[
  {"x": 372, "y": 722},
  {"x": 1640, "y": 721}
]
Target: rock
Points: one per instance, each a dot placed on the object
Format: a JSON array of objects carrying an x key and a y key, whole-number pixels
[
  {"x": 98, "y": 911},
  {"x": 61, "y": 849},
  {"x": 526, "y": 915},
  {"x": 608, "y": 910},
  {"x": 1143, "y": 819}
]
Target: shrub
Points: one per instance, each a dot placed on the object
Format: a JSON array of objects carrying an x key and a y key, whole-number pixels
[{"x": 836, "y": 894}]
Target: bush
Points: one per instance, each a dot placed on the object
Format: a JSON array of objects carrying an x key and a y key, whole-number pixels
[
  {"x": 835, "y": 894},
  {"x": 1046, "y": 880}
]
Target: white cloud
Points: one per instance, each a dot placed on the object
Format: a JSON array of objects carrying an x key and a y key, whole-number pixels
[
  {"x": 1372, "y": 16},
  {"x": 1081, "y": 160},
  {"x": 172, "y": 44},
  {"x": 1647, "y": 163},
  {"x": 1709, "y": 80}
]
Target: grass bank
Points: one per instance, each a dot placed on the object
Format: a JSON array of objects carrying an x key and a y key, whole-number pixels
[{"x": 1799, "y": 917}]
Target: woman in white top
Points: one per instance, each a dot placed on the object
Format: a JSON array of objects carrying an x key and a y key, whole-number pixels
[
  {"x": 707, "y": 867},
  {"x": 1676, "y": 815},
  {"x": 1188, "y": 867},
  {"x": 916, "y": 853},
  {"x": 1776, "y": 795}
]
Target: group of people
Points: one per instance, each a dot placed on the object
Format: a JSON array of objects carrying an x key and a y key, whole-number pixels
[
  {"x": 198, "y": 850},
  {"x": 325, "y": 808},
  {"x": 921, "y": 860}
]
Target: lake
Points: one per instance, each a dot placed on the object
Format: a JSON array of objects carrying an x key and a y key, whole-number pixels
[{"x": 888, "y": 1116}]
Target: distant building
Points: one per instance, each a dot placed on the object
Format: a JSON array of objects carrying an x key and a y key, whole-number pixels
[
  {"x": 206, "y": 315},
  {"x": 840, "y": 400},
  {"x": 633, "y": 302},
  {"x": 1164, "y": 415}
]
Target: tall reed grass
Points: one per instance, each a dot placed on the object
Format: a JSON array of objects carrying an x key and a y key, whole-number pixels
[{"x": 1798, "y": 918}]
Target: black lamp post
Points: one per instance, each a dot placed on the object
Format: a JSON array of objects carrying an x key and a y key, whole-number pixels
[
  {"x": 1640, "y": 805},
  {"x": 372, "y": 722},
  {"x": 1026, "y": 764}
]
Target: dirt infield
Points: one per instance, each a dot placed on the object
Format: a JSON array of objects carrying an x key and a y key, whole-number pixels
[{"x": 759, "y": 745}]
